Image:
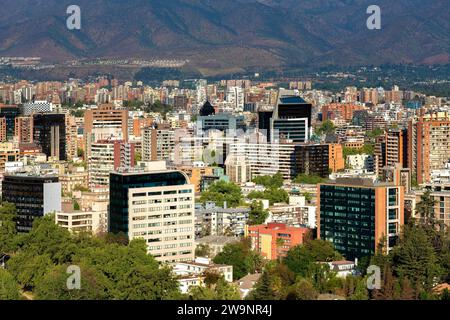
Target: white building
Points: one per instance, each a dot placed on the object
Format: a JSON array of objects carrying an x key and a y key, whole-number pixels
[
  {"x": 191, "y": 273},
  {"x": 93, "y": 221},
  {"x": 160, "y": 208},
  {"x": 37, "y": 107},
  {"x": 100, "y": 163},
  {"x": 235, "y": 98},
  {"x": 361, "y": 162}
]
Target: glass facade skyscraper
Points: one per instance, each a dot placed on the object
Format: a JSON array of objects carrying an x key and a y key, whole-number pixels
[{"x": 356, "y": 217}]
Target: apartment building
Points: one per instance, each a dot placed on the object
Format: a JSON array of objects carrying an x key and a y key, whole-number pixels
[
  {"x": 274, "y": 240},
  {"x": 429, "y": 143},
  {"x": 156, "y": 205},
  {"x": 34, "y": 195},
  {"x": 157, "y": 144},
  {"x": 93, "y": 220}
]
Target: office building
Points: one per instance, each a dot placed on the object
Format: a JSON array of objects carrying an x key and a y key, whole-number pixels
[
  {"x": 222, "y": 121},
  {"x": 356, "y": 215},
  {"x": 49, "y": 132},
  {"x": 105, "y": 122},
  {"x": 41, "y": 106},
  {"x": 9, "y": 113},
  {"x": 158, "y": 206},
  {"x": 33, "y": 195},
  {"x": 291, "y": 119},
  {"x": 312, "y": 159}
]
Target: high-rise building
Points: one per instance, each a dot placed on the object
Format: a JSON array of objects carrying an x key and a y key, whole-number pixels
[
  {"x": 336, "y": 157},
  {"x": 235, "y": 97},
  {"x": 396, "y": 148},
  {"x": 33, "y": 195},
  {"x": 24, "y": 129},
  {"x": 40, "y": 106},
  {"x": 343, "y": 111},
  {"x": 71, "y": 137},
  {"x": 100, "y": 163},
  {"x": 291, "y": 119},
  {"x": 357, "y": 215},
  {"x": 157, "y": 144},
  {"x": 3, "y": 137},
  {"x": 106, "y": 122},
  {"x": 49, "y": 132},
  {"x": 264, "y": 159},
  {"x": 158, "y": 206},
  {"x": 312, "y": 159},
  {"x": 10, "y": 113},
  {"x": 429, "y": 145}
]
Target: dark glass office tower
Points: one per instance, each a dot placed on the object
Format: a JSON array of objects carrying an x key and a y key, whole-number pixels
[
  {"x": 49, "y": 132},
  {"x": 312, "y": 160},
  {"x": 291, "y": 119},
  {"x": 264, "y": 122},
  {"x": 10, "y": 113},
  {"x": 356, "y": 215},
  {"x": 33, "y": 197},
  {"x": 290, "y": 107},
  {"x": 121, "y": 183}
]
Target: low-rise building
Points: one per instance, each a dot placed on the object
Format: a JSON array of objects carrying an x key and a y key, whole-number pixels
[
  {"x": 215, "y": 243},
  {"x": 214, "y": 220},
  {"x": 93, "y": 220},
  {"x": 191, "y": 273},
  {"x": 274, "y": 240}
]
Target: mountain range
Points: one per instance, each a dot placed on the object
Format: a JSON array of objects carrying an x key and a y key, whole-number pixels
[{"x": 230, "y": 34}]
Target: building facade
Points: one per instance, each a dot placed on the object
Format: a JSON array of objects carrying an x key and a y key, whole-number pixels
[
  {"x": 157, "y": 206},
  {"x": 356, "y": 215}
]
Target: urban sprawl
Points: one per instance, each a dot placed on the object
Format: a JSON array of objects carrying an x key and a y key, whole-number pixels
[{"x": 235, "y": 189}]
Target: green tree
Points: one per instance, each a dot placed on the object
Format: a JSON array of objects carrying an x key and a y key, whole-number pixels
[
  {"x": 215, "y": 288},
  {"x": 425, "y": 209},
  {"x": 264, "y": 288},
  {"x": 275, "y": 181},
  {"x": 309, "y": 179},
  {"x": 134, "y": 273},
  {"x": 9, "y": 289},
  {"x": 222, "y": 191},
  {"x": 327, "y": 127},
  {"x": 203, "y": 250},
  {"x": 302, "y": 290},
  {"x": 8, "y": 233},
  {"x": 273, "y": 195},
  {"x": 28, "y": 268},
  {"x": 299, "y": 260},
  {"x": 414, "y": 257},
  {"x": 322, "y": 250},
  {"x": 241, "y": 257},
  {"x": 360, "y": 292},
  {"x": 137, "y": 157},
  {"x": 375, "y": 133},
  {"x": 257, "y": 213},
  {"x": 53, "y": 285}
]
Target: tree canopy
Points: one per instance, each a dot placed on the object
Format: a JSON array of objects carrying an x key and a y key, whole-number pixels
[{"x": 221, "y": 192}]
